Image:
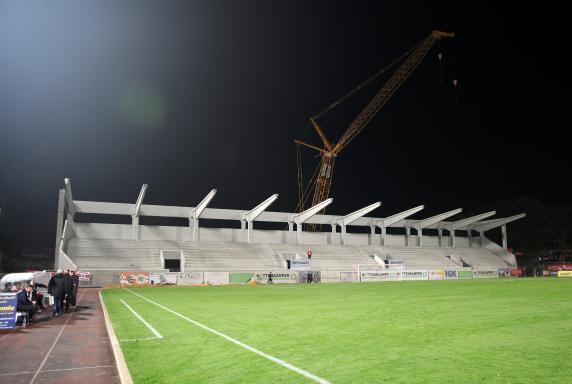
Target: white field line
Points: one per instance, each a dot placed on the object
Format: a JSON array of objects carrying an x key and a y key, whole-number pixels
[
  {"x": 239, "y": 343},
  {"x": 157, "y": 334},
  {"x": 142, "y": 339}
]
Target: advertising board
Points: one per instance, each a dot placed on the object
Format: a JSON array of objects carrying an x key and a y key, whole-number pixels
[{"x": 373, "y": 276}]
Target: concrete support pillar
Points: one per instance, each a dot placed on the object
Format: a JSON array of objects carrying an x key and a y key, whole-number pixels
[
  {"x": 371, "y": 234},
  {"x": 419, "y": 237},
  {"x": 333, "y": 235},
  {"x": 383, "y": 235},
  {"x": 407, "y": 234},
  {"x": 242, "y": 224},
  {"x": 482, "y": 238},
  {"x": 299, "y": 234},
  {"x": 194, "y": 224},
  {"x": 452, "y": 233},
  {"x": 470, "y": 236},
  {"x": 504, "y": 237},
  {"x": 291, "y": 226},
  {"x": 135, "y": 226},
  {"x": 59, "y": 225},
  {"x": 249, "y": 227},
  {"x": 440, "y": 236}
]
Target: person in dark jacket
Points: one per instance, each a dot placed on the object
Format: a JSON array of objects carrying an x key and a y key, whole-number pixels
[
  {"x": 35, "y": 297},
  {"x": 68, "y": 284},
  {"x": 75, "y": 278},
  {"x": 24, "y": 304},
  {"x": 56, "y": 288}
]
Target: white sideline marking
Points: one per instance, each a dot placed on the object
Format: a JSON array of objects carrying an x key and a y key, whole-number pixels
[
  {"x": 58, "y": 370},
  {"x": 239, "y": 343},
  {"x": 157, "y": 334},
  {"x": 142, "y": 339}
]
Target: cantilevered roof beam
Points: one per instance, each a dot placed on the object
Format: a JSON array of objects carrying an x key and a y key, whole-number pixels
[
  {"x": 301, "y": 217},
  {"x": 485, "y": 226},
  {"x": 251, "y": 215},
  {"x": 389, "y": 221},
  {"x": 490, "y": 224},
  {"x": 431, "y": 221},
  {"x": 197, "y": 211},
  {"x": 452, "y": 227},
  {"x": 136, "y": 210},
  {"x": 461, "y": 224},
  {"x": 137, "y": 207},
  {"x": 69, "y": 199},
  {"x": 350, "y": 218}
]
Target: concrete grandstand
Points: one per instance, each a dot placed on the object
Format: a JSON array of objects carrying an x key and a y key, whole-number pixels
[{"x": 104, "y": 248}]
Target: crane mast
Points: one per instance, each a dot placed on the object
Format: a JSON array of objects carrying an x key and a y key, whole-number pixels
[{"x": 323, "y": 178}]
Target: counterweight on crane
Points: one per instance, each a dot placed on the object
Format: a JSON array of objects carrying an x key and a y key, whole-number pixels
[{"x": 321, "y": 181}]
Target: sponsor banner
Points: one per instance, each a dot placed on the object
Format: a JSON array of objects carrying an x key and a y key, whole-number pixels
[
  {"x": 485, "y": 273},
  {"x": 166, "y": 278},
  {"x": 348, "y": 277},
  {"x": 504, "y": 272},
  {"x": 396, "y": 263},
  {"x": 134, "y": 279},
  {"x": 7, "y": 311},
  {"x": 216, "y": 278},
  {"x": 414, "y": 275},
  {"x": 555, "y": 267},
  {"x": 330, "y": 277},
  {"x": 516, "y": 272},
  {"x": 277, "y": 277},
  {"x": 300, "y": 264},
  {"x": 239, "y": 277},
  {"x": 437, "y": 274},
  {"x": 371, "y": 276},
  {"x": 564, "y": 273},
  {"x": 189, "y": 278},
  {"x": 466, "y": 274},
  {"x": 451, "y": 274},
  {"x": 84, "y": 278}
]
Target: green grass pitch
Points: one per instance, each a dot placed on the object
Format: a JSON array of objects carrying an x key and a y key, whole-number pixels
[{"x": 465, "y": 331}]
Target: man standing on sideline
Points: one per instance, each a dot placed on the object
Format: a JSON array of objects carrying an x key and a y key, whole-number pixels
[
  {"x": 68, "y": 284},
  {"x": 269, "y": 278},
  {"x": 75, "y": 279},
  {"x": 56, "y": 288}
]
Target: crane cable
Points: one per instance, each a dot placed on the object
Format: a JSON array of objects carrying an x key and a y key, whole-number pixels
[
  {"x": 369, "y": 80},
  {"x": 304, "y": 193}
]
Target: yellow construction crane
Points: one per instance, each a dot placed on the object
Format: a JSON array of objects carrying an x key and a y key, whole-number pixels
[{"x": 321, "y": 181}]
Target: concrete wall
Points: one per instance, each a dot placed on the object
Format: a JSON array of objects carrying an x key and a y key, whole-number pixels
[{"x": 227, "y": 235}]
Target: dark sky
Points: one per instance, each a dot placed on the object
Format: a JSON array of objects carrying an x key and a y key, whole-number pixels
[{"x": 193, "y": 95}]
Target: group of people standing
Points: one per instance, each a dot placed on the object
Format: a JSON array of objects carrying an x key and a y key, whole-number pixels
[{"x": 63, "y": 287}]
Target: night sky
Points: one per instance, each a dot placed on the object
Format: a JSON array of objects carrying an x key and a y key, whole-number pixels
[{"x": 192, "y": 95}]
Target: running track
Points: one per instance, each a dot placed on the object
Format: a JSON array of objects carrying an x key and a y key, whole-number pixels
[{"x": 72, "y": 348}]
